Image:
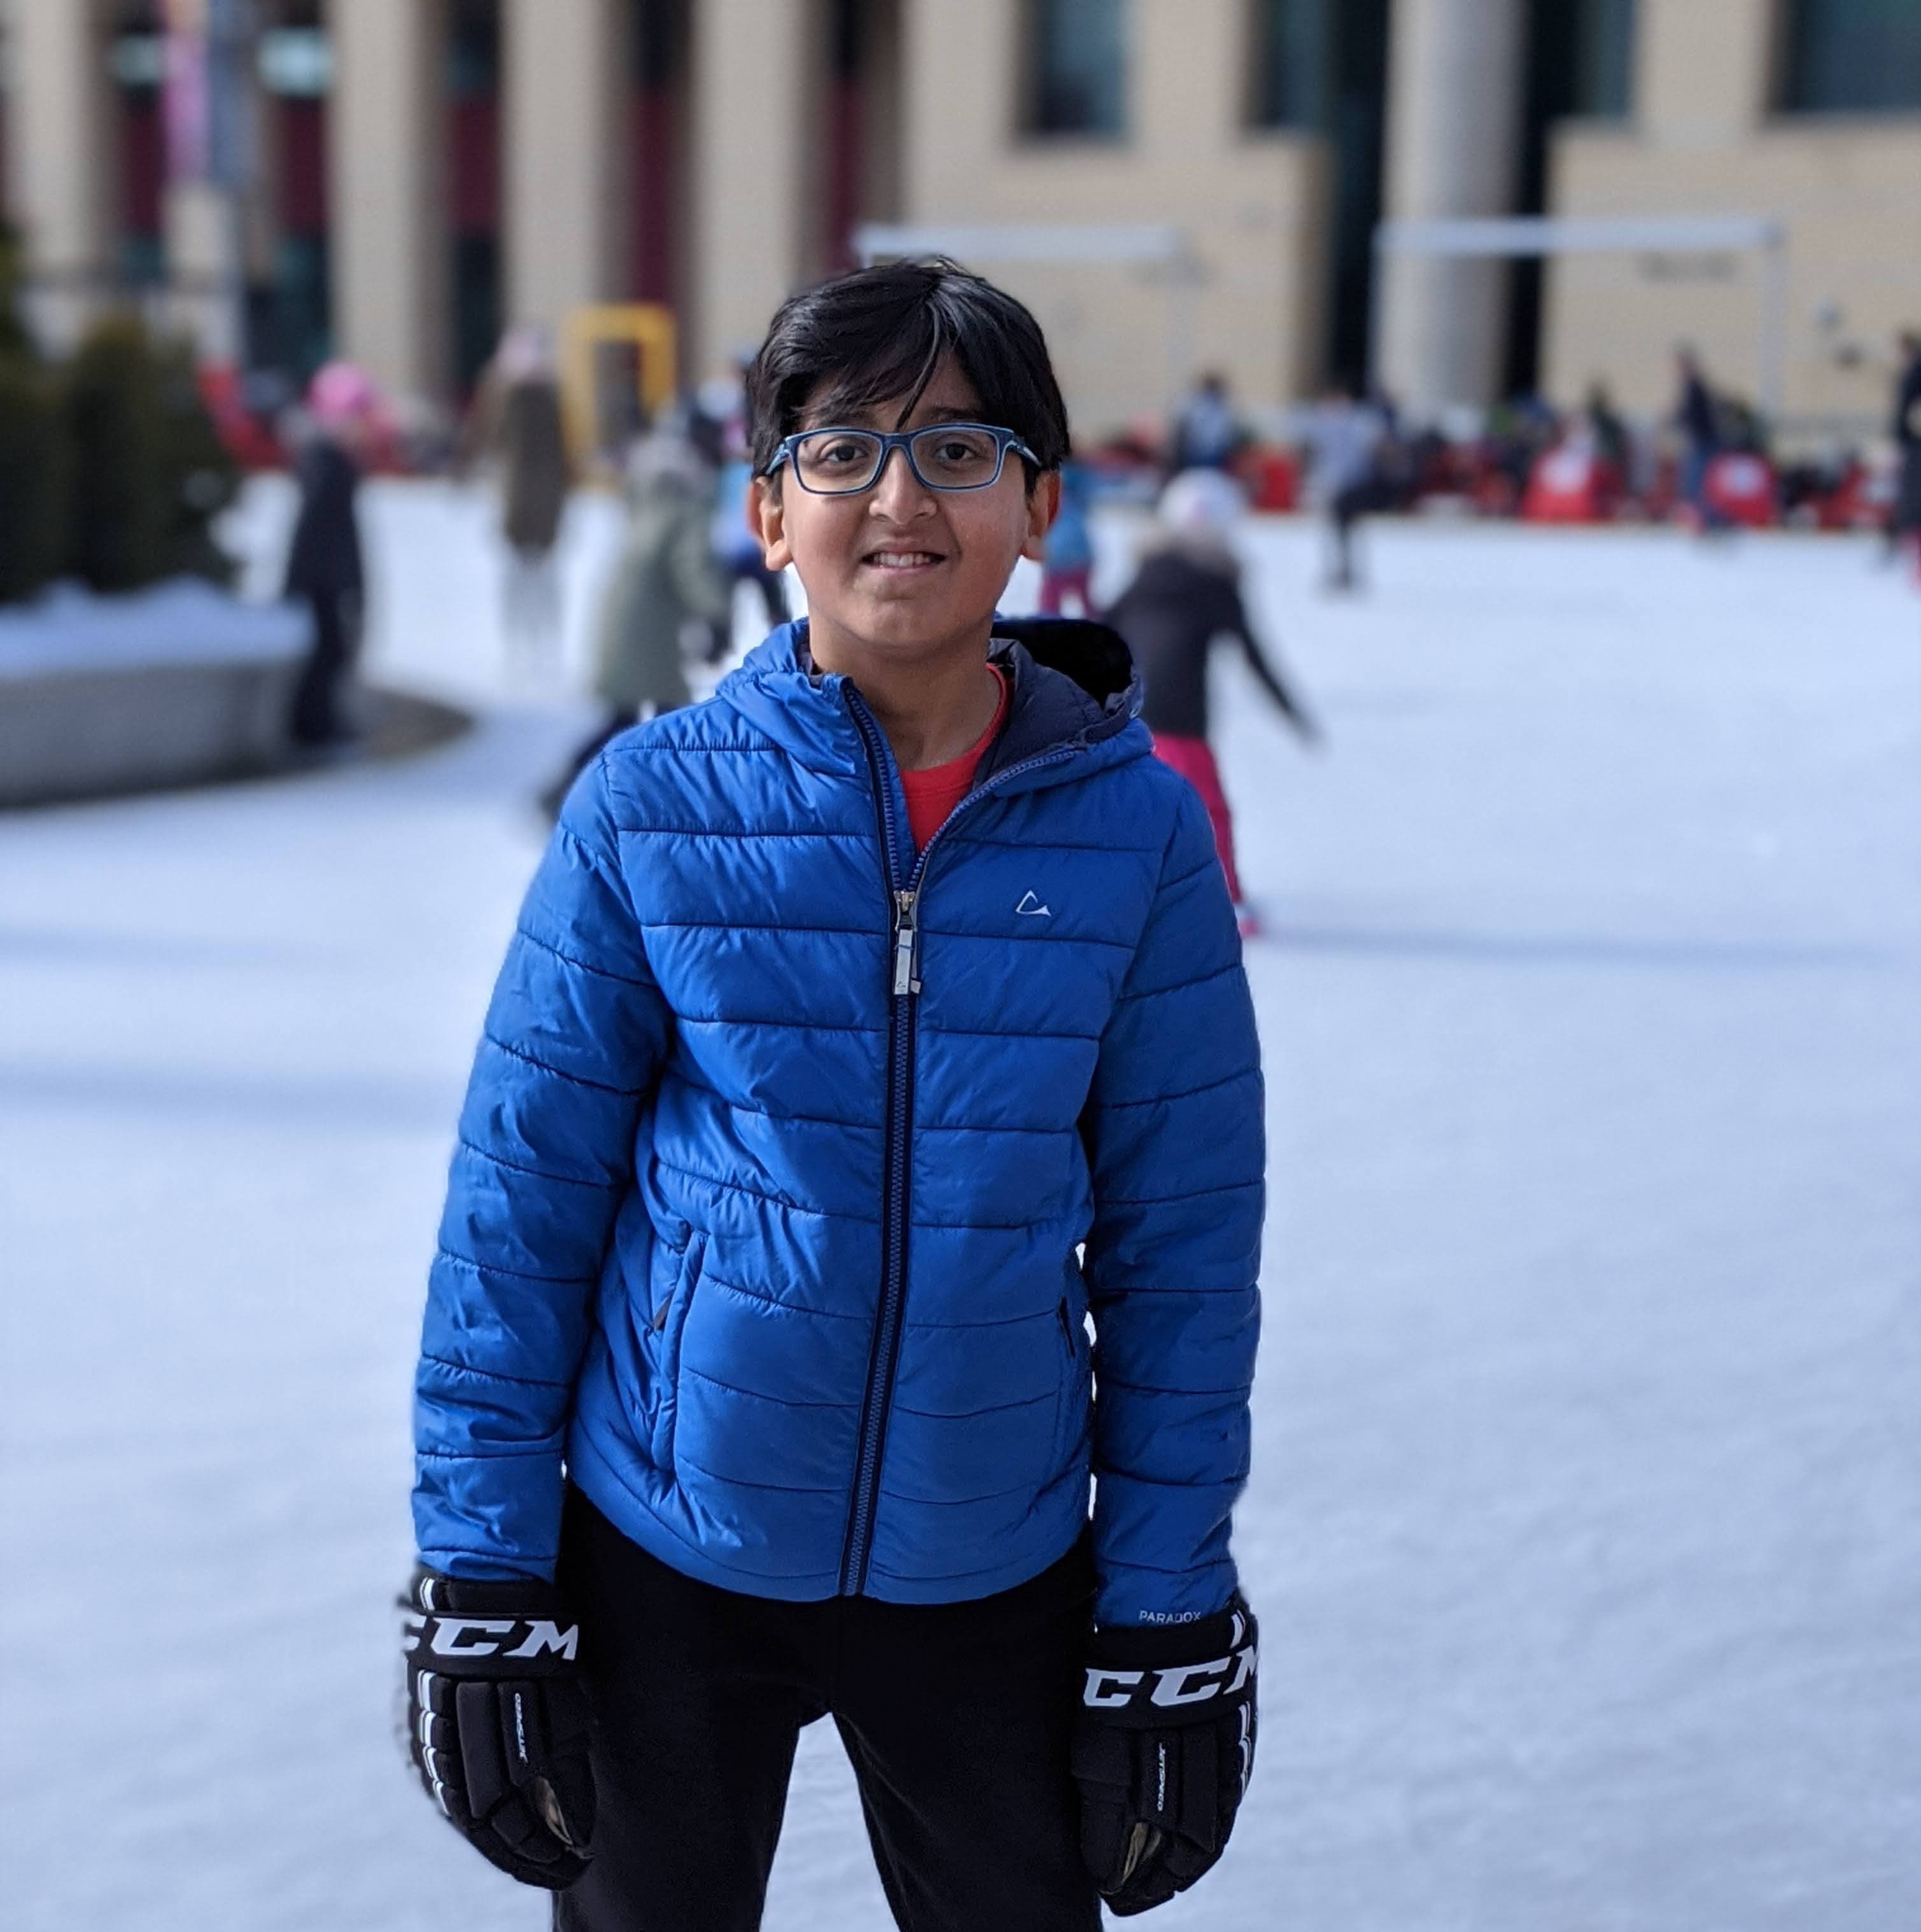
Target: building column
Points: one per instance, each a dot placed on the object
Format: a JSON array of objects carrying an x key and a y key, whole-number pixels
[
  {"x": 60, "y": 160},
  {"x": 1703, "y": 69},
  {"x": 387, "y": 149},
  {"x": 756, "y": 83},
  {"x": 1454, "y": 78},
  {"x": 564, "y": 62}
]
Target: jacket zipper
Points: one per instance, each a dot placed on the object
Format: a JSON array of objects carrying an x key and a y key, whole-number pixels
[{"x": 904, "y": 902}]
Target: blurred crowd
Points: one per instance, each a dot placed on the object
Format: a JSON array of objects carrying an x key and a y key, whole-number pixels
[{"x": 1347, "y": 455}]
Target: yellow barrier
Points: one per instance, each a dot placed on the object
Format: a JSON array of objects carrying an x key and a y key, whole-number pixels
[{"x": 648, "y": 328}]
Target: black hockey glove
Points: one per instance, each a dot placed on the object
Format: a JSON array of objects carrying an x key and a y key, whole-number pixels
[
  {"x": 497, "y": 1722},
  {"x": 1162, "y": 1749}
]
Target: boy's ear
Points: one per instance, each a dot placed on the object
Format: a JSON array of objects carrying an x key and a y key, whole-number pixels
[
  {"x": 1043, "y": 506},
  {"x": 767, "y": 519}
]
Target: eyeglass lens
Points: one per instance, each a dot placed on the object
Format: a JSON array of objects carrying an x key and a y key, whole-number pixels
[{"x": 946, "y": 457}]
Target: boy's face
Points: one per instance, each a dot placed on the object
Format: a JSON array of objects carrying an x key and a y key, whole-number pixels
[{"x": 901, "y": 569}]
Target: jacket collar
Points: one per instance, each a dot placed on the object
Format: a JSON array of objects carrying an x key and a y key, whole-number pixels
[{"x": 1076, "y": 689}]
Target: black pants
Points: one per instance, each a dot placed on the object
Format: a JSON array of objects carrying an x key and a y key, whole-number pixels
[
  {"x": 317, "y": 718},
  {"x": 955, "y": 1717},
  {"x": 1371, "y": 493}
]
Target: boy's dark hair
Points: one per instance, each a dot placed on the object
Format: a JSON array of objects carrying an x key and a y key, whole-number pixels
[{"x": 880, "y": 332}]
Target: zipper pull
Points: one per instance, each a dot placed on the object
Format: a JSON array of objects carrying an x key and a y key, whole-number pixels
[{"x": 906, "y": 946}]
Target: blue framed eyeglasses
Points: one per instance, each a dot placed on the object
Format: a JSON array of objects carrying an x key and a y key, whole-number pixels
[{"x": 943, "y": 456}]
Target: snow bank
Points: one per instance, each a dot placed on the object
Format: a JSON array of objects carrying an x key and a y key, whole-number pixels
[{"x": 166, "y": 686}]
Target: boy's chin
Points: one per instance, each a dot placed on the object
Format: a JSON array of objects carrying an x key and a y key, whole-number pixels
[{"x": 907, "y": 626}]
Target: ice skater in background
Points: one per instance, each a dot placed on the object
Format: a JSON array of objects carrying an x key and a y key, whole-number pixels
[
  {"x": 324, "y": 565},
  {"x": 1185, "y": 595},
  {"x": 666, "y": 595},
  {"x": 517, "y": 419},
  {"x": 1904, "y": 520},
  {"x": 1697, "y": 417},
  {"x": 1207, "y": 432},
  {"x": 1344, "y": 438},
  {"x": 1068, "y": 570}
]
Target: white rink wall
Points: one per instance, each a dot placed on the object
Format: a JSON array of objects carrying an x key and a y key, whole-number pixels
[{"x": 1586, "y": 1521}]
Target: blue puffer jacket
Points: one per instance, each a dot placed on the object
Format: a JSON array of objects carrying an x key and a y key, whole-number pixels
[{"x": 782, "y": 1147}]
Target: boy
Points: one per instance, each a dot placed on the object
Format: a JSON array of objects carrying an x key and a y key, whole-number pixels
[{"x": 867, "y": 1029}]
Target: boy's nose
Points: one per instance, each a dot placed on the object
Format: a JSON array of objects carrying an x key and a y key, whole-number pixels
[{"x": 898, "y": 493}]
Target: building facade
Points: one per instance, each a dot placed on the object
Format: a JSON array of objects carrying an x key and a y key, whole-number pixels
[{"x": 1173, "y": 184}]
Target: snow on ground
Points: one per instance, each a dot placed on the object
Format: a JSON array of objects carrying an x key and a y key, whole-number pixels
[
  {"x": 183, "y": 621},
  {"x": 1586, "y": 1520}
]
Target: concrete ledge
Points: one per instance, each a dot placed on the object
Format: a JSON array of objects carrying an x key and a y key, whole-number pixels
[{"x": 174, "y": 685}]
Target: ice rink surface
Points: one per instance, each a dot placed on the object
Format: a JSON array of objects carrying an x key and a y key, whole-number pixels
[{"x": 1585, "y": 1525}]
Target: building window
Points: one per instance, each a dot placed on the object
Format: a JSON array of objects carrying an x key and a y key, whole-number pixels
[
  {"x": 1604, "y": 36},
  {"x": 1320, "y": 67},
  {"x": 1293, "y": 67},
  {"x": 1077, "y": 65},
  {"x": 291, "y": 329},
  {"x": 136, "y": 59},
  {"x": 1851, "y": 57},
  {"x": 1580, "y": 65},
  {"x": 474, "y": 184},
  {"x": 658, "y": 33}
]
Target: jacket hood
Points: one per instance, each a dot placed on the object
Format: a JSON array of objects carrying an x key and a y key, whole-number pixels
[{"x": 1075, "y": 687}]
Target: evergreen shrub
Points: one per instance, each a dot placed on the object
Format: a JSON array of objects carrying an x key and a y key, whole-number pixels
[
  {"x": 119, "y": 518},
  {"x": 34, "y": 452}
]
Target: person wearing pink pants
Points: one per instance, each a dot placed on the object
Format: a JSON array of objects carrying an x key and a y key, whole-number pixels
[
  {"x": 1185, "y": 595},
  {"x": 1194, "y": 759}
]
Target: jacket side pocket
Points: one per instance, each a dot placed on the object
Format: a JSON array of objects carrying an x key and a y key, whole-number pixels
[
  {"x": 672, "y": 1323},
  {"x": 1071, "y": 1406}
]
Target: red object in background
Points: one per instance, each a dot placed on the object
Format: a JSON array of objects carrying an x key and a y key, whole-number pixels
[
  {"x": 1741, "y": 488},
  {"x": 143, "y": 163},
  {"x": 655, "y": 122},
  {"x": 476, "y": 169},
  {"x": 846, "y": 156},
  {"x": 1571, "y": 484},
  {"x": 1194, "y": 761},
  {"x": 1853, "y": 503},
  {"x": 303, "y": 167},
  {"x": 1491, "y": 489},
  {"x": 250, "y": 442},
  {"x": 1271, "y": 478}
]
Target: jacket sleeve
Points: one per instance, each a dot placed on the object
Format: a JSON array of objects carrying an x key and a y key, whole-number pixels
[
  {"x": 574, "y": 1040},
  {"x": 1175, "y": 1137}
]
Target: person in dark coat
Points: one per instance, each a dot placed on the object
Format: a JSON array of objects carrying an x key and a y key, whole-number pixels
[
  {"x": 1904, "y": 524},
  {"x": 528, "y": 435},
  {"x": 667, "y": 588},
  {"x": 1185, "y": 595},
  {"x": 1698, "y": 419},
  {"x": 1207, "y": 434},
  {"x": 325, "y": 569}
]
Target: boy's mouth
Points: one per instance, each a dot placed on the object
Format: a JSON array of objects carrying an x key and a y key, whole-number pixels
[{"x": 900, "y": 561}]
